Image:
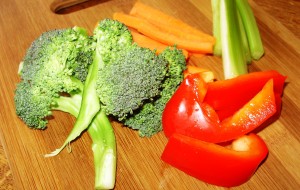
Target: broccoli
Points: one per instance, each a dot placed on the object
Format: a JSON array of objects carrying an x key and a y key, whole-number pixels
[
  {"x": 139, "y": 77},
  {"x": 56, "y": 63},
  {"x": 147, "y": 120},
  {"x": 119, "y": 68},
  {"x": 103, "y": 141},
  {"x": 52, "y": 75}
]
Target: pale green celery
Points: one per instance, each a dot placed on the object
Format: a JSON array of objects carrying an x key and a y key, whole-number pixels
[
  {"x": 215, "y": 4},
  {"x": 244, "y": 40},
  {"x": 251, "y": 28},
  {"x": 104, "y": 142},
  {"x": 233, "y": 55}
]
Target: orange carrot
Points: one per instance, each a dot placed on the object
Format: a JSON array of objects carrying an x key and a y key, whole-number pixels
[
  {"x": 162, "y": 36},
  {"x": 147, "y": 42},
  {"x": 198, "y": 55},
  {"x": 128, "y": 20},
  {"x": 170, "y": 39},
  {"x": 174, "y": 25}
]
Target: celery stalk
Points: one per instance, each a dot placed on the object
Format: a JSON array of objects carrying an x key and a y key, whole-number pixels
[
  {"x": 251, "y": 28},
  {"x": 215, "y": 4},
  {"x": 244, "y": 40},
  {"x": 237, "y": 36},
  {"x": 233, "y": 55}
]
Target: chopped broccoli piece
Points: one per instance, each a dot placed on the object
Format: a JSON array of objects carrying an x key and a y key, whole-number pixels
[
  {"x": 147, "y": 120},
  {"x": 56, "y": 62},
  {"x": 111, "y": 37}
]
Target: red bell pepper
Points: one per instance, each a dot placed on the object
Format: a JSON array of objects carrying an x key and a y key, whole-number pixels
[
  {"x": 228, "y": 96},
  {"x": 213, "y": 163},
  {"x": 187, "y": 114}
]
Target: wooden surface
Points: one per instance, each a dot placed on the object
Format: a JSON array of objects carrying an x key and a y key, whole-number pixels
[{"x": 139, "y": 164}]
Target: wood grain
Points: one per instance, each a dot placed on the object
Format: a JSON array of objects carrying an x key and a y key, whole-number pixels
[{"x": 139, "y": 164}]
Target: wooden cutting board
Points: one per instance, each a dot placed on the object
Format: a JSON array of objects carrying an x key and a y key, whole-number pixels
[{"x": 139, "y": 165}]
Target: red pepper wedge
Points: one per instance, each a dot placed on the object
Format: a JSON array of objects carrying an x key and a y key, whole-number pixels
[
  {"x": 254, "y": 113},
  {"x": 183, "y": 109},
  {"x": 227, "y": 96},
  {"x": 213, "y": 163},
  {"x": 187, "y": 114}
]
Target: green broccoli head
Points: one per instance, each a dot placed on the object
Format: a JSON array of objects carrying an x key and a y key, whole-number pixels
[
  {"x": 32, "y": 106},
  {"x": 111, "y": 36},
  {"x": 131, "y": 78},
  {"x": 147, "y": 120},
  {"x": 127, "y": 75},
  {"x": 55, "y": 63}
]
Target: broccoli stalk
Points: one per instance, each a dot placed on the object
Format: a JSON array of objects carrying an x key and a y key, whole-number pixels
[
  {"x": 90, "y": 106},
  {"x": 104, "y": 142}
]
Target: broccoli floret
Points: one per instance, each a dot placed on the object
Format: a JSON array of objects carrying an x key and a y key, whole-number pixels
[
  {"x": 55, "y": 63},
  {"x": 126, "y": 82},
  {"x": 111, "y": 37},
  {"x": 147, "y": 120},
  {"x": 128, "y": 74}
]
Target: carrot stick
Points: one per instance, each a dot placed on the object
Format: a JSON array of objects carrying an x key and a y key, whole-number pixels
[
  {"x": 160, "y": 19},
  {"x": 162, "y": 36},
  {"x": 147, "y": 42},
  {"x": 170, "y": 39},
  {"x": 128, "y": 20}
]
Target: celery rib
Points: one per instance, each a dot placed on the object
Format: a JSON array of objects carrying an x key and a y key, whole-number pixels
[
  {"x": 251, "y": 29},
  {"x": 233, "y": 55},
  {"x": 238, "y": 40}
]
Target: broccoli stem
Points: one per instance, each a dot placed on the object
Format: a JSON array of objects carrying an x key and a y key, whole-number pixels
[
  {"x": 90, "y": 105},
  {"x": 104, "y": 142},
  {"x": 104, "y": 149}
]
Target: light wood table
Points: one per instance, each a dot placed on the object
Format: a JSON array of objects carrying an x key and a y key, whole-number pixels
[{"x": 139, "y": 163}]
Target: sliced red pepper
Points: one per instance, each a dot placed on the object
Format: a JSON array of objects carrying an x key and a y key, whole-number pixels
[
  {"x": 252, "y": 114},
  {"x": 213, "y": 163},
  {"x": 228, "y": 96},
  {"x": 186, "y": 114},
  {"x": 184, "y": 109}
]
